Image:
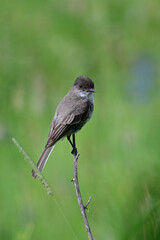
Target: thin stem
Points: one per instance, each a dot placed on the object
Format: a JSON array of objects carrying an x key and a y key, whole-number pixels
[
  {"x": 34, "y": 167},
  {"x": 86, "y": 206},
  {"x": 78, "y": 193}
]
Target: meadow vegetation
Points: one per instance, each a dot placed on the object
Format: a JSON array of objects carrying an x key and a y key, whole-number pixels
[{"x": 44, "y": 46}]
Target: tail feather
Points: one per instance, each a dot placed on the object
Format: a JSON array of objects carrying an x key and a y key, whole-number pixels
[{"x": 42, "y": 160}]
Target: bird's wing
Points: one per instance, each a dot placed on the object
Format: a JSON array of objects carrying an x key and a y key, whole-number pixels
[
  {"x": 64, "y": 120},
  {"x": 79, "y": 110}
]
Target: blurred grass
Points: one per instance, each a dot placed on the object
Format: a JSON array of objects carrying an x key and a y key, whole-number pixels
[{"x": 44, "y": 46}]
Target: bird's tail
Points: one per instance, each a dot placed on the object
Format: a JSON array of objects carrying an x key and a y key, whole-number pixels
[{"x": 43, "y": 159}]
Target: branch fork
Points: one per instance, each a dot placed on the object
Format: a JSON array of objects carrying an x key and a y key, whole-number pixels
[{"x": 86, "y": 206}]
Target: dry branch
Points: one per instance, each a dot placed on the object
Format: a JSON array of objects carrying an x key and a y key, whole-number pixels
[{"x": 78, "y": 193}]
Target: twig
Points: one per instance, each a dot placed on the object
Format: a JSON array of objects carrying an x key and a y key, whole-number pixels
[
  {"x": 33, "y": 165},
  {"x": 78, "y": 193},
  {"x": 86, "y": 206}
]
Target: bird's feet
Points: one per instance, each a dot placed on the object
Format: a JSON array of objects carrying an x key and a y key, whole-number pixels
[{"x": 74, "y": 151}]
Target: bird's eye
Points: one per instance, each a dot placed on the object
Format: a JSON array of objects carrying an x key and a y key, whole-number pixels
[{"x": 80, "y": 86}]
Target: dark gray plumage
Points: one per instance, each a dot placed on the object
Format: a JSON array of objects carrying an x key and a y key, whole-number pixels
[{"x": 73, "y": 111}]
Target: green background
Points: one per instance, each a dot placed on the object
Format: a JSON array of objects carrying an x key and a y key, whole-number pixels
[{"x": 44, "y": 46}]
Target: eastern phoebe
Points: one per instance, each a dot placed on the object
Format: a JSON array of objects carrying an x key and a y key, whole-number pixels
[{"x": 74, "y": 110}]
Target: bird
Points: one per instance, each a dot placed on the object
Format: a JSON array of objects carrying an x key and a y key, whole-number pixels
[{"x": 72, "y": 113}]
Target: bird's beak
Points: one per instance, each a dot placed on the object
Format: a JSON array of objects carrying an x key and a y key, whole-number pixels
[{"x": 91, "y": 90}]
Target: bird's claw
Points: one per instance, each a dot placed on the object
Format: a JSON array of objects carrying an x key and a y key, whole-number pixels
[{"x": 74, "y": 151}]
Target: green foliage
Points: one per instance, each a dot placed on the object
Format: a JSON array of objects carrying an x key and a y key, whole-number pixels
[{"x": 44, "y": 46}]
